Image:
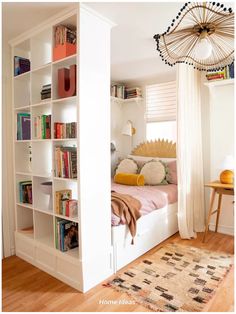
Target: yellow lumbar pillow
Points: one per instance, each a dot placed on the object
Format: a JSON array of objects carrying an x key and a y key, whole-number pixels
[{"x": 129, "y": 179}]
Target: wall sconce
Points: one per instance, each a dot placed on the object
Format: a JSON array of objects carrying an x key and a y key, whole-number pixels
[{"x": 128, "y": 129}]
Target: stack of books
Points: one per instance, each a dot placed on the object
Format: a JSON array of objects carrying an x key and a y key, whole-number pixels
[
  {"x": 23, "y": 126},
  {"x": 46, "y": 91},
  {"x": 25, "y": 192},
  {"x": 65, "y": 130},
  {"x": 118, "y": 90},
  {"x": 66, "y": 235},
  {"x": 42, "y": 127},
  {"x": 133, "y": 92},
  {"x": 64, "y": 34},
  {"x": 65, "y": 205},
  {"x": 227, "y": 73},
  {"x": 65, "y": 162},
  {"x": 21, "y": 65}
]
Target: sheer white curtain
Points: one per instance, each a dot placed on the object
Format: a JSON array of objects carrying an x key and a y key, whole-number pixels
[{"x": 191, "y": 214}]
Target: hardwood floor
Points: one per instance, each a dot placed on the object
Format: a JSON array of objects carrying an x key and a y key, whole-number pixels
[{"x": 25, "y": 288}]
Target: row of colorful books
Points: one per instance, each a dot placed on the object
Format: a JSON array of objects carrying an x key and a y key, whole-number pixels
[
  {"x": 66, "y": 235},
  {"x": 21, "y": 65},
  {"x": 65, "y": 162},
  {"x": 25, "y": 192},
  {"x": 65, "y": 130},
  {"x": 227, "y": 73},
  {"x": 121, "y": 91},
  {"x": 23, "y": 126},
  {"x": 65, "y": 205},
  {"x": 42, "y": 126}
]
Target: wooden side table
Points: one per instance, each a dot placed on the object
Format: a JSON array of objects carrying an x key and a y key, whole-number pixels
[{"x": 220, "y": 189}]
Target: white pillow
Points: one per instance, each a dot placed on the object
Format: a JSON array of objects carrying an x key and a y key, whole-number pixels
[
  {"x": 154, "y": 172},
  {"x": 127, "y": 166}
]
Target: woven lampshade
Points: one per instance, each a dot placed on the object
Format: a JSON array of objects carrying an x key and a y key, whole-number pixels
[{"x": 210, "y": 22}]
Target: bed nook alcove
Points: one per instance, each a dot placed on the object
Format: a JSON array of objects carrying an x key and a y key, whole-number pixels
[{"x": 158, "y": 205}]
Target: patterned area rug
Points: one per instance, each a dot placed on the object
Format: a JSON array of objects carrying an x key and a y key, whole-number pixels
[{"x": 176, "y": 278}]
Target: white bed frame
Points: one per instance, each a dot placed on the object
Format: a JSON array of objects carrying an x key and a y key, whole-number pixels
[{"x": 152, "y": 228}]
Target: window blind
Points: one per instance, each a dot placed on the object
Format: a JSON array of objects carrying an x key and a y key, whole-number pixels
[{"x": 161, "y": 102}]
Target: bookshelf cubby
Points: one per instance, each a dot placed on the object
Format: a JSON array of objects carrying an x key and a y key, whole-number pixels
[{"x": 34, "y": 158}]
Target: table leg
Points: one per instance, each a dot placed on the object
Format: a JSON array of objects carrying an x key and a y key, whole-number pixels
[
  {"x": 209, "y": 213},
  {"x": 218, "y": 211}
]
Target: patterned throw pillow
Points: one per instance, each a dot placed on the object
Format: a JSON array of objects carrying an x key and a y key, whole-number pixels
[
  {"x": 154, "y": 173},
  {"x": 127, "y": 165}
]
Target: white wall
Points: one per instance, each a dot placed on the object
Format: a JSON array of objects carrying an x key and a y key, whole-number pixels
[
  {"x": 222, "y": 144},
  {"x": 218, "y": 141}
]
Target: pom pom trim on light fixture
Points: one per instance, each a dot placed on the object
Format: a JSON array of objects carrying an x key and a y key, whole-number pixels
[{"x": 209, "y": 24}]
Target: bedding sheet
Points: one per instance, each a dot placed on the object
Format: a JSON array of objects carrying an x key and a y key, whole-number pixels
[{"x": 151, "y": 197}]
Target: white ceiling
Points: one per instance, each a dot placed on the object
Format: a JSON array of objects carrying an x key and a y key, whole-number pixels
[{"x": 133, "y": 49}]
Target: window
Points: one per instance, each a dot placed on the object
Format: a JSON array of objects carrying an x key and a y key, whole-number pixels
[{"x": 161, "y": 111}]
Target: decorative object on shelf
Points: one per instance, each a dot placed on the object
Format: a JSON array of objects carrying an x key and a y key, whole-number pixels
[
  {"x": 201, "y": 35},
  {"x": 30, "y": 157},
  {"x": 25, "y": 192},
  {"x": 46, "y": 91},
  {"x": 23, "y": 126},
  {"x": 227, "y": 175},
  {"x": 64, "y": 42},
  {"x": 21, "y": 65},
  {"x": 113, "y": 147},
  {"x": 128, "y": 129},
  {"x": 46, "y": 188},
  {"x": 67, "y": 82}
]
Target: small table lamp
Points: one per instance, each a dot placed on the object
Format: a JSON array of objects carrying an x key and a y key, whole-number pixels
[{"x": 227, "y": 175}]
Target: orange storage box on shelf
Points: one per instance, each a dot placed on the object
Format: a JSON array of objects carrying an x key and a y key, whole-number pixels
[{"x": 63, "y": 51}]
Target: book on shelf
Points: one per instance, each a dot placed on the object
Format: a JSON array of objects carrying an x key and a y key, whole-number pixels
[
  {"x": 23, "y": 126},
  {"x": 66, "y": 206},
  {"x": 66, "y": 235},
  {"x": 25, "y": 192},
  {"x": 21, "y": 65},
  {"x": 65, "y": 162},
  {"x": 121, "y": 91},
  {"x": 65, "y": 130},
  {"x": 133, "y": 92},
  {"x": 42, "y": 126},
  {"x": 46, "y": 92},
  {"x": 64, "y": 34},
  {"x": 226, "y": 73}
]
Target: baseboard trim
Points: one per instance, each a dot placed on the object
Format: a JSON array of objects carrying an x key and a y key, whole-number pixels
[{"x": 222, "y": 229}]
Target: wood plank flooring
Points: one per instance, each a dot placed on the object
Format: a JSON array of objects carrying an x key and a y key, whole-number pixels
[{"x": 25, "y": 288}]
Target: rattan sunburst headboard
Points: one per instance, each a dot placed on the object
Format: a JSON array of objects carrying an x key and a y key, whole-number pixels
[{"x": 158, "y": 148}]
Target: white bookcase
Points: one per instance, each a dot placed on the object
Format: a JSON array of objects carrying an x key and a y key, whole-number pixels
[{"x": 91, "y": 262}]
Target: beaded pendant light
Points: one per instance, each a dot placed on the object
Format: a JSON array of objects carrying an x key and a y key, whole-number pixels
[{"x": 201, "y": 35}]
